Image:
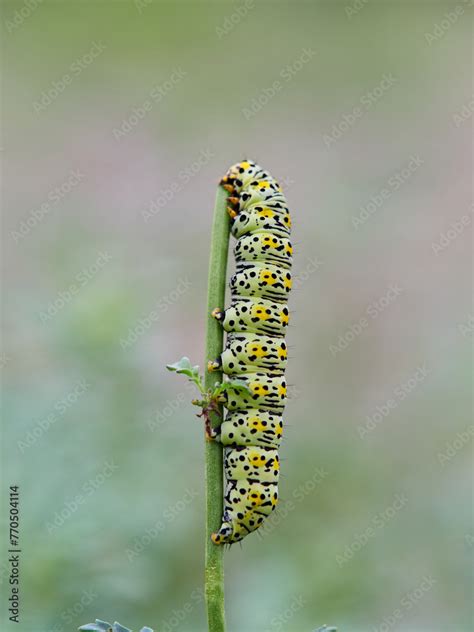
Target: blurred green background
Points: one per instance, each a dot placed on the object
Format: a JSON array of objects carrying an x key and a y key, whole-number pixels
[{"x": 119, "y": 117}]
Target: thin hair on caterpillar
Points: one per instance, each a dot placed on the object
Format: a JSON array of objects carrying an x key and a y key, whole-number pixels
[{"x": 256, "y": 352}]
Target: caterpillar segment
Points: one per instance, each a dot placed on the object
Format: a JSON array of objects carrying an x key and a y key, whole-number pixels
[
  {"x": 254, "y": 316},
  {"x": 268, "y": 218},
  {"x": 249, "y": 353},
  {"x": 250, "y": 427},
  {"x": 262, "y": 280},
  {"x": 255, "y": 353},
  {"x": 264, "y": 247}
]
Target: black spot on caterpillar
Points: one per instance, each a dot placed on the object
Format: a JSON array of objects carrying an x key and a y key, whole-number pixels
[{"x": 255, "y": 352}]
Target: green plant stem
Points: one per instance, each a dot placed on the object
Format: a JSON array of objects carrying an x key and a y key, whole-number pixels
[{"x": 214, "y": 573}]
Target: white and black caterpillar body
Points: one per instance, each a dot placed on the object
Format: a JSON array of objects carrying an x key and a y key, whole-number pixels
[{"x": 255, "y": 351}]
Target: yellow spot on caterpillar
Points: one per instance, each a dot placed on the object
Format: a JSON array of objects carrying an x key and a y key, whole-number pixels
[
  {"x": 257, "y": 388},
  {"x": 256, "y": 350},
  {"x": 257, "y": 459},
  {"x": 257, "y": 424},
  {"x": 282, "y": 391},
  {"x": 267, "y": 240},
  {"x": 266, "y": 277},
  {"x": 266, "y": 212},
  {"x": 245, "y": 165},
  {"x": 285, "y": 318},
  {"x": 288, "y": 283},
  {"x": 259, "y": 312}
]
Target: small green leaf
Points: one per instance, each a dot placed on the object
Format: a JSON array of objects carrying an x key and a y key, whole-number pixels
[
  {"x": 232, "y": 385},
  {"x": 103, "y": 626},
  {"x": 182, "y": 366},
  {"x": 98, "y": 626},
  {"x": 239, "y": 385}
]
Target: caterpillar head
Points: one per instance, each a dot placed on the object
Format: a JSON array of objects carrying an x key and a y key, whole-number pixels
[
  {"x": 239, "y": 173},
  {"x": 246, "y": 174},
  {"x": 224, "y": 535}
]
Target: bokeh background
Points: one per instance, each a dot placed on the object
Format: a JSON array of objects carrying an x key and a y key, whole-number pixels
[{"x": 118, "y": 119}]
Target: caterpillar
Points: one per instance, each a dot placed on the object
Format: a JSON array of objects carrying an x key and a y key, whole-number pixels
[{"x": 255, "y": 352}]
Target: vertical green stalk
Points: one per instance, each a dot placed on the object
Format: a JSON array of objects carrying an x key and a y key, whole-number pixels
[{"x": 214, "y": 573}]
